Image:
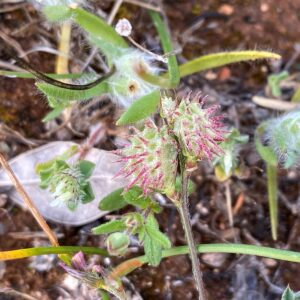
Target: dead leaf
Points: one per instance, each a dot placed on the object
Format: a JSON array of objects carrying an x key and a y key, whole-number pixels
[{"x": 102, "y": 180}]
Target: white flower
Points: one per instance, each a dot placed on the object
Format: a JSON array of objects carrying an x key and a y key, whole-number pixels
[{"x": 123, "y": 27}]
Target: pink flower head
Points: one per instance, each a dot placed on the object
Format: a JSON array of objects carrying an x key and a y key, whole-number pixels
[
  {"x": 199, "y": 130},
  {"x": 151, "y": 159}
]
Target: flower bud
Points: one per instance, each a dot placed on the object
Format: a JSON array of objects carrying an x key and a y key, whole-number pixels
[
  {"x": 125, "y": 84},
  {"x": 69, "y": 186},
  {"x": 123, "y": 27},
  {"x": 282, "y": 135},
  {"x": 151, "y": 160},
  {"x": 117, "y": 243}
]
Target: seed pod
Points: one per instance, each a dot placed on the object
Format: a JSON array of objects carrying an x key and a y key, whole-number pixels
[{"x": 117, "y": 243}]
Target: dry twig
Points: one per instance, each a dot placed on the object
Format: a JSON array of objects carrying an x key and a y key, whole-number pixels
[{"x": 38, "y": 217}]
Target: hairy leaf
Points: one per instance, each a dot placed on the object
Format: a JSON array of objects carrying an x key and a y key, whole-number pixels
[
  {"x": 66, "y": 95},
  {"x": 97, "y": 27},
  {"x": 102, "y": 182},
  {"x": 113, "y": 201},
  {"x": 140, "y": 109},
  {"x": 109, "y": 227},
  {"x": 221, "y": 59},
  {"x": 290, "y": 295}
]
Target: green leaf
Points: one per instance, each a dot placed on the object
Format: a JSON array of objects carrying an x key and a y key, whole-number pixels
[
  {"x": 153, "y": 251},
  {"x": 274, "y": 82},
  {"x": 266, "y": 153},
  {"x": 167, "y": 47},
  {"x": 134, "y": 197},
  {"x": 140, "y": 109},
  {"x": 97, "y": 27},
  {"x": 57, "y": 13},
  {"x": 66, "y": 95},
  {"x": 109, "y": 227},
  {"x": 88, "y": 193},
  {"x": 53, "y": 114},
  {"x": 114, "y": 201},
  {"x": 152, "y": 230},
  {"x": 86, "y": 168},
  {"x": 221, "y": 59},
  {"x": 290, "y": 295}
]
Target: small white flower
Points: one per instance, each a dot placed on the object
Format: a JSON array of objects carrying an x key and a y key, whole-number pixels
[{"x": 123, "y": 27}]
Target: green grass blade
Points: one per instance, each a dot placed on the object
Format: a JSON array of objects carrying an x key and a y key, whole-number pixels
[
  {"x": 221, "y": 59},
  {"x": 272, "y": 197},
  {"x": 167, "y": 47},
  {"x": 140, "y": 109}
]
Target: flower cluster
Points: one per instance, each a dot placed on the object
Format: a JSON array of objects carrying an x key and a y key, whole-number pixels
[
  {"x": 66, "y": 187},
  {"x": 68, "y": 183},
  {"x": 198, "y": 130},
  {"x": 125, "y": 84},
  {"x": 151, "y": 159}
]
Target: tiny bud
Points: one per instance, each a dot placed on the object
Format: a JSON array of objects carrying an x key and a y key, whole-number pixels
[
  {"x": 78, "y": 261},
  {"x": 123, "y": 27},
  {"x": 117, "y": 243}
]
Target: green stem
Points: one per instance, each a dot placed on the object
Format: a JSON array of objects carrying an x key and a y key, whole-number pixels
[
  {"x": 186, "y": 224},
  {"x": 272, "y": 197},
  {"x": 285, "y": 255}
]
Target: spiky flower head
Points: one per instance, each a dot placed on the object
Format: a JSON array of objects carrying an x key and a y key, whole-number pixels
[
  {"x": 282, "y": 136},
  {"x": 126, "y": 85},
  {"x": 66, "y": 187},
  {"x": 151, "y": 159},
  {"x": 198, "y": 130}
]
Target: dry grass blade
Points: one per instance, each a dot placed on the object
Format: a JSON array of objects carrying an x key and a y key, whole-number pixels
[
  {"x": 28, "y": 201},
  {"x": 274, "y": 103}
]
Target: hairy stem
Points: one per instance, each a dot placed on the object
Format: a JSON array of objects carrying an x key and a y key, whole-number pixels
[{"x": 185, "y": 220}]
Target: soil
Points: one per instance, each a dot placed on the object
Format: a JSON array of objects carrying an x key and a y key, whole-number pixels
[{"x": 219, "y": 25}]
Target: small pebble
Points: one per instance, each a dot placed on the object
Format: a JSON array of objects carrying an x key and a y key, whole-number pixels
[
  {"x": 264, "y": 7},
  {"x": 269, "y": 262},
  {"x": 215, "y": 260},
  {"x": 226, "y": 9}
]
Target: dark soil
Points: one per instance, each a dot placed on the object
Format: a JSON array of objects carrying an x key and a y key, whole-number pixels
[{"x": 225, "y": 25}]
